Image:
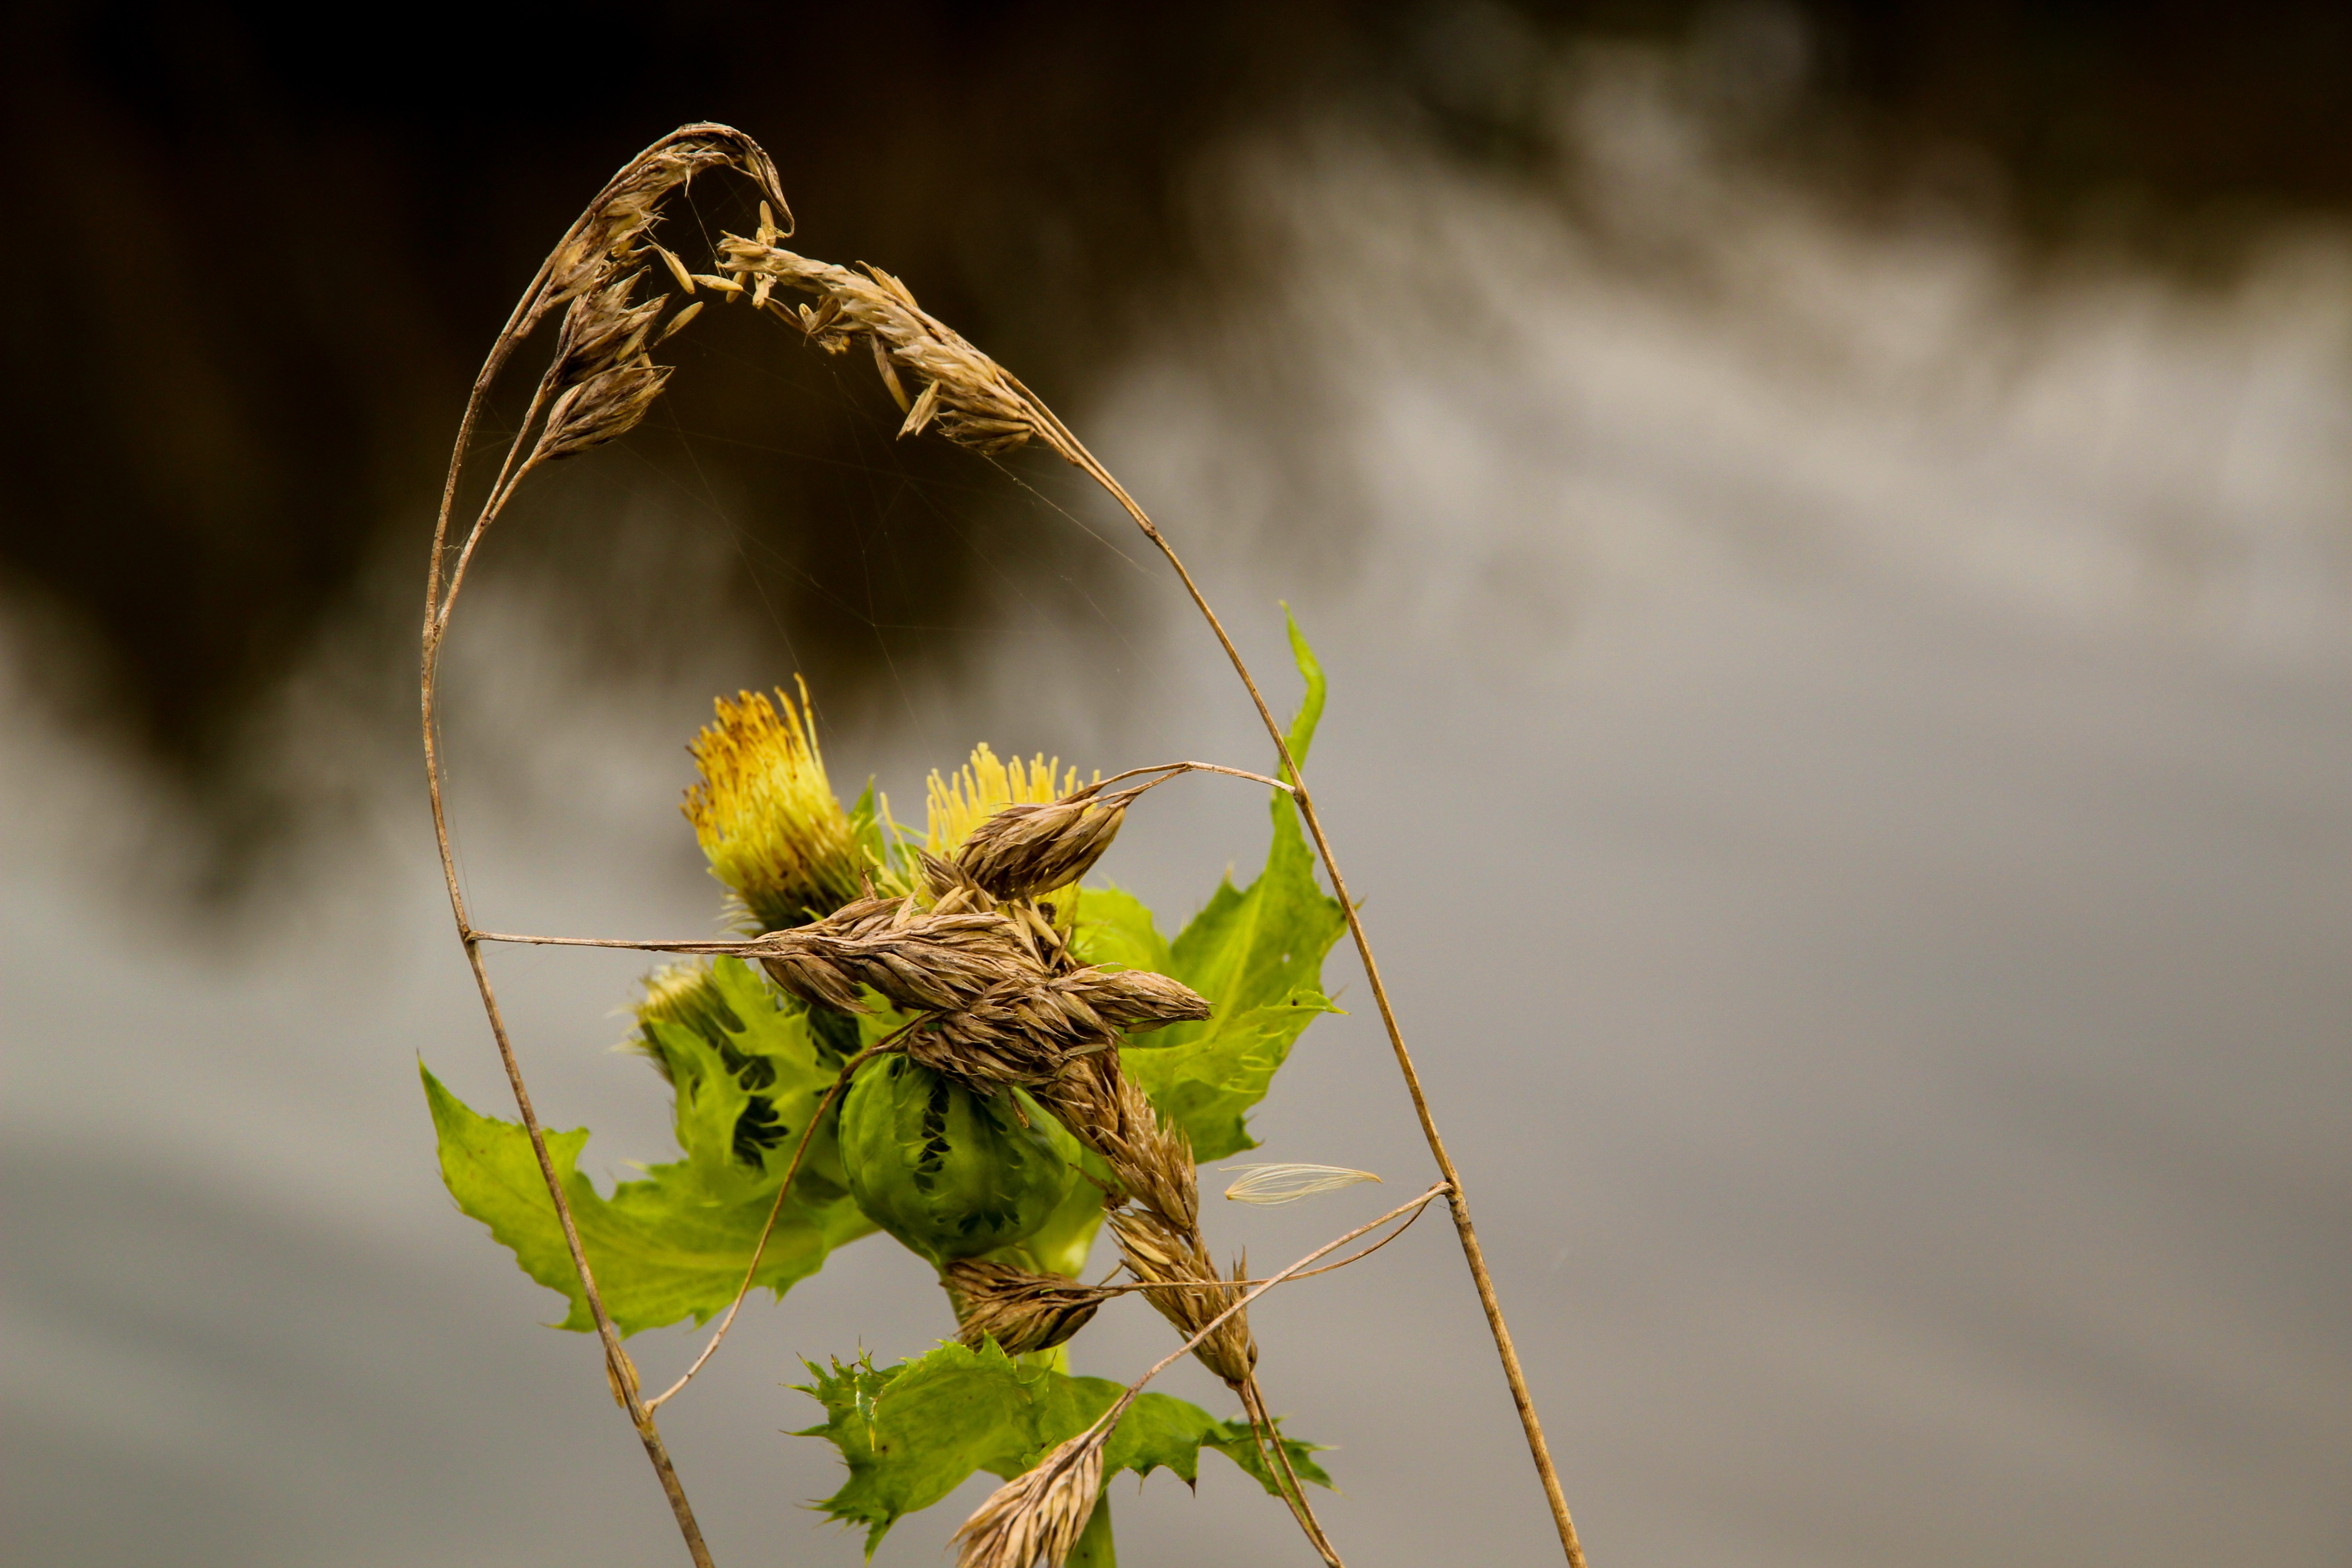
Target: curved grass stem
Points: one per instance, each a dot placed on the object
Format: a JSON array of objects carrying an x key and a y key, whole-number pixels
[{"x": 439, "y": 604}]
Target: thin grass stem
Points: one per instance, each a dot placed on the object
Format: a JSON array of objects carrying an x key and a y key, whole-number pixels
[
  {"x": 1538, "y": 1449},
  {"x": 438, "y": 607}
]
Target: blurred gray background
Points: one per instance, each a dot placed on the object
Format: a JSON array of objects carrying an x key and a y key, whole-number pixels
[{"x": 1827, "y": 531}]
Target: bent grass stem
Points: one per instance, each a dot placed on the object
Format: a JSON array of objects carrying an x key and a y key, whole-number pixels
[{"x": 438, "y": 610}]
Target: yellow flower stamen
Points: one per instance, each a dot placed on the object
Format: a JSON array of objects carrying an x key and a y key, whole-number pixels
[{"x": 766, "y": 817}]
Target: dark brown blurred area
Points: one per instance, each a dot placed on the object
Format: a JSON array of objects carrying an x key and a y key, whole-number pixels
[{"x": 255, "y": 260}]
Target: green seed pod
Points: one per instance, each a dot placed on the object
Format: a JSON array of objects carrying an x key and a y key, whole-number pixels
[{"x": 946, "y": 1172}]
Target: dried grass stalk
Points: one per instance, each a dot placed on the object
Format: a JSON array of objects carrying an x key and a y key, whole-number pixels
[{"x": 599, "y": 393}]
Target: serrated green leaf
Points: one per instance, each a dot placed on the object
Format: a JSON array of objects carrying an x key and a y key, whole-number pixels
[
  {"x": 1257, "y": 956},
  {"x": 670, "y": 1247},
  {"x": 913, "y": 1433}
]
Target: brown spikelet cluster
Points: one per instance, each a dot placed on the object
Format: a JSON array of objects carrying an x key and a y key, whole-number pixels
[
  {"x": 1029, "y": 1031},
  {"x": 603, "y": 380},
  {"x": 1107, "y": 1111},
  {"x": 1038, "y": 1516},
  {"x": 1020, "y": 1309},
  {"x": 916, "y": 959},
  {"x": 1023, "y": 850},
  {"x": 628, "y": 209},
  {"x": 1000, "y": 1001},
  {"x": 1171, "y": 1257},
  {"x": 971, "y": 399},
  {"x": 1005, "y": 1005}
]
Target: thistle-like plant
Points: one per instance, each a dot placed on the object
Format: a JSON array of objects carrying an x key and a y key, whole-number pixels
[{"x": 960, "y": 1041}]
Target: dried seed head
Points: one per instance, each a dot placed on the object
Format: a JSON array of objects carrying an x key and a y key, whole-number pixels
[
  {"x": 600, "y": 410},
  {"x": 1025, "y": 849},
  {"x": 1108, "y": 1112},
  {"x": 766, "y": 816},
  {"x": 951, "y": 890},
  {"x": 1161, "y": 1254},
  {"x": 925, "y": 963},
  {"x": 1028, "y": 1029},
  {"x": 630, "y": 206},
  {"x": 1021, "y": 1309},
  {"x": 1269, "y": 1185},
  {"x": 1037, "y": 1516},
  {"x": 963, "y": 801},
  {"x": 977, "y": 403},
  {"x": 811, "y": 975},
  {"x": 602, "y": 384},
  {"x": 1137, "y": 999},
  {"x": 950, "y": 887},
  {"x": 604, "y": 328},
  {"x": 958, "y": 802},
  {"x": 1023, "y": 1032}
]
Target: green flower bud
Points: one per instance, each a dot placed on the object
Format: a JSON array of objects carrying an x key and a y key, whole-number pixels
[{"x": 948, "y": 1172}]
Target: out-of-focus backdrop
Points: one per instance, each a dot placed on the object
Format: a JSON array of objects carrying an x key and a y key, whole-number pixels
[{"x": 1828, "y": 526}]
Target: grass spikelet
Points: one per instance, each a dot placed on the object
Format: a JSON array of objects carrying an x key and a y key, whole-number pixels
[
  {"x": 766, "y": 817},
  {"x": 1159, "y": 1254},
  {"x": 1038, "y": 1516},
  {"x": 1028, "y": 850},
  {"x": 1020, "y": 1309},
  {"x": 960, "y": 801},
  {"x": 919, "y": 960},
  {"x": 963, "y": 800}
]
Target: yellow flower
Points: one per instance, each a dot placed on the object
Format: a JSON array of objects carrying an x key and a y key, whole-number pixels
[{"x": 767, "y": 819}]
